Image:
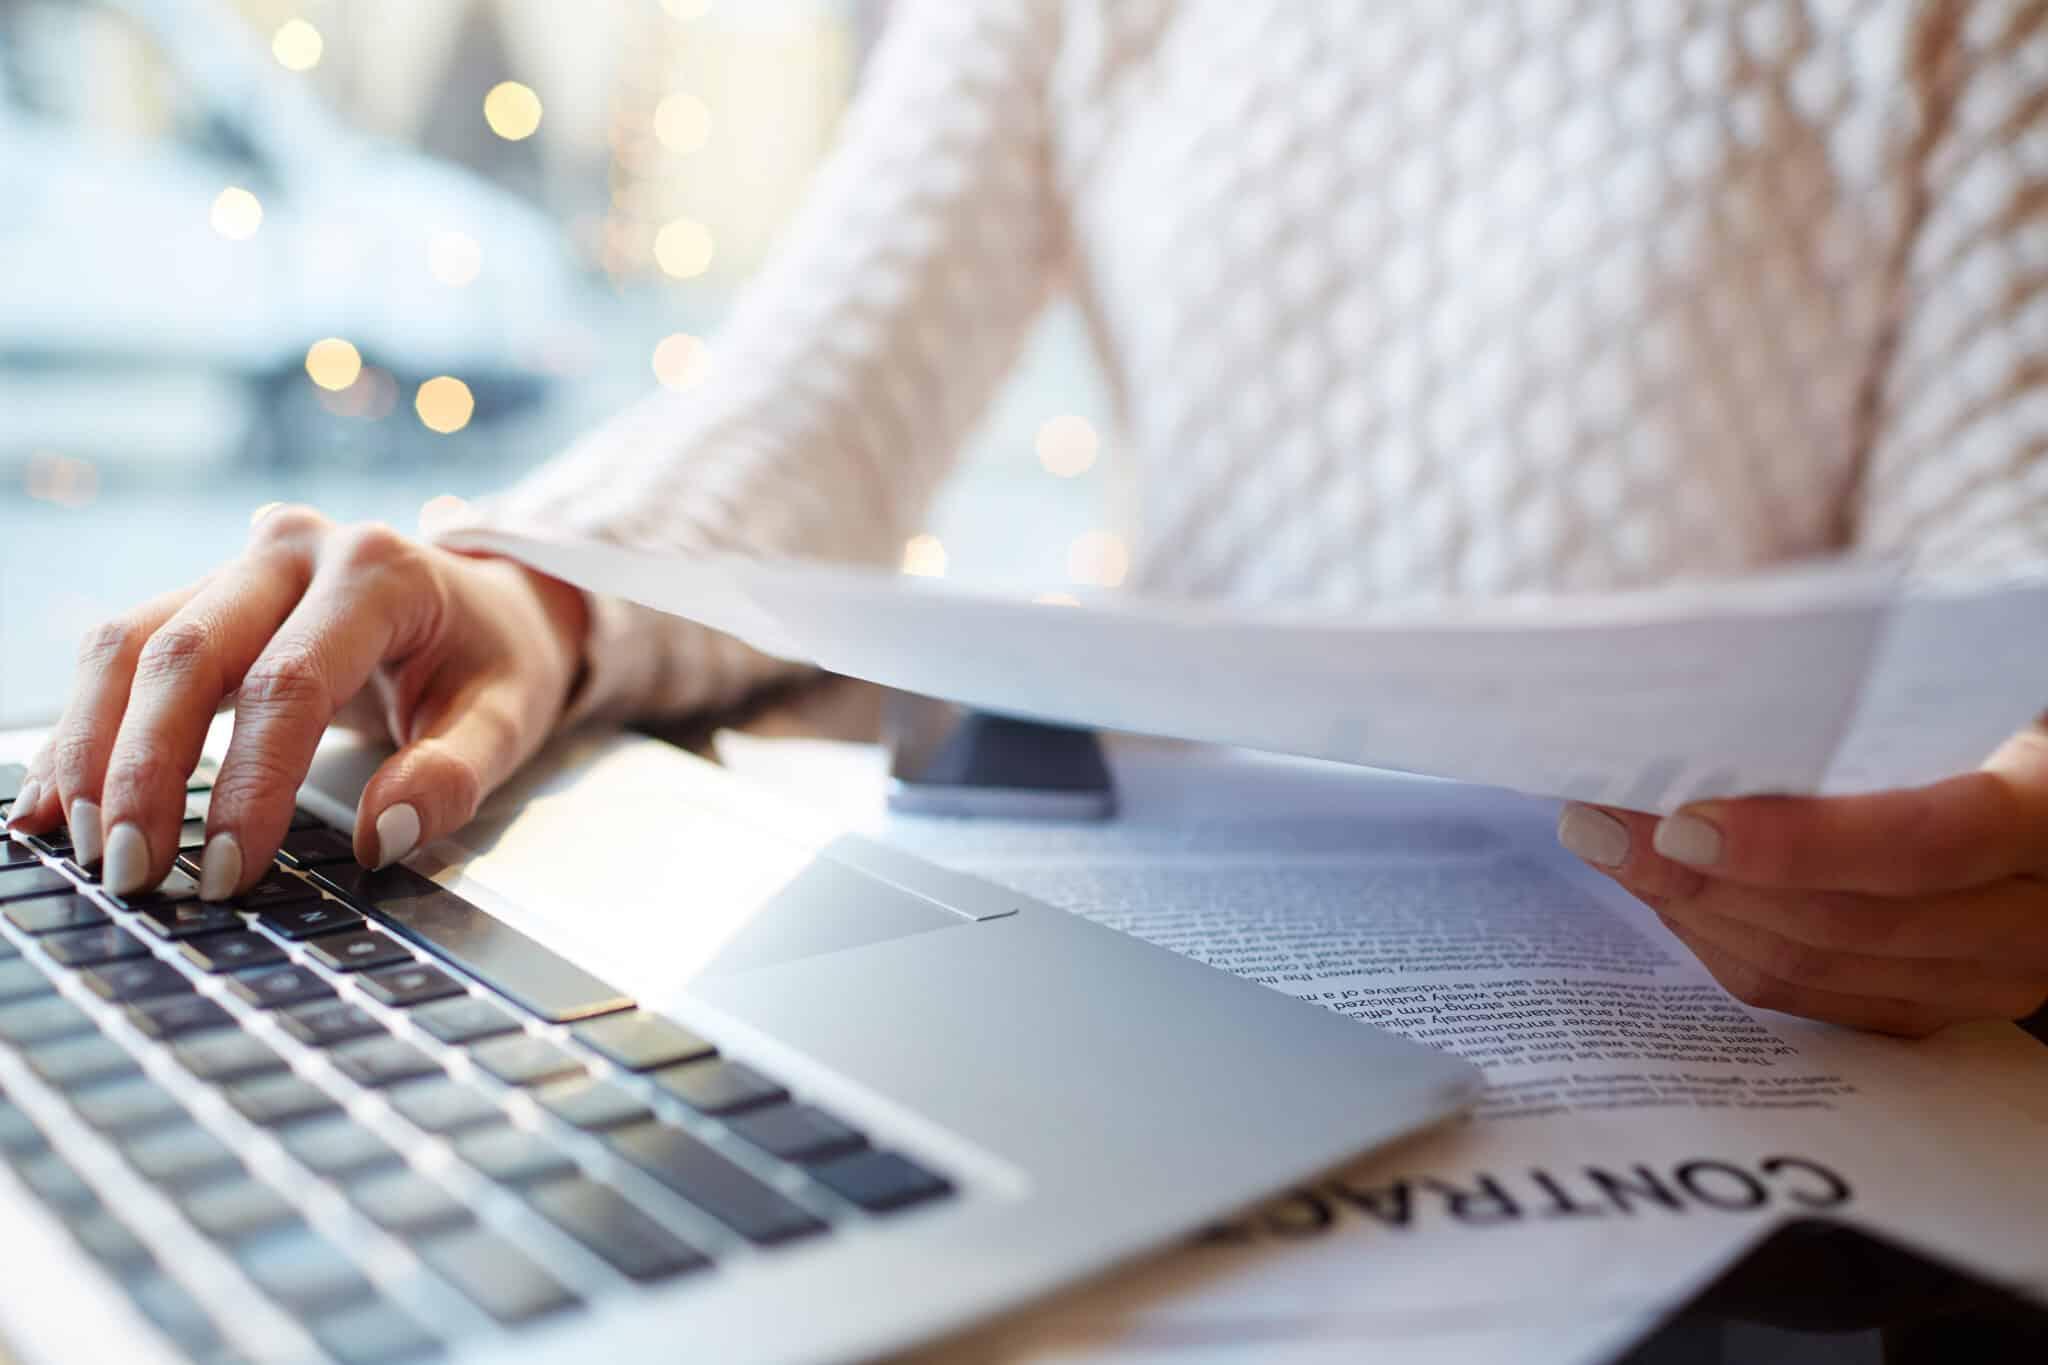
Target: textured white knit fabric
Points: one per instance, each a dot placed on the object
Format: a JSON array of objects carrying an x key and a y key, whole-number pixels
[{"x": 1396, "y": 298}]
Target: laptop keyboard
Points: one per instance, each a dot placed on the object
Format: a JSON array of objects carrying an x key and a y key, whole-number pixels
[{"x": 401, "y": 1123}]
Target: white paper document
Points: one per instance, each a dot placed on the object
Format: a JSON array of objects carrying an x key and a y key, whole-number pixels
[
  {"x": 1640, "y": 1127},
  {"x": 1828, "y": 679}
]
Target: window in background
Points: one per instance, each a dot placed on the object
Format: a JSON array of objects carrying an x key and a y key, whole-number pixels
[{"x": 364, "y": 252}]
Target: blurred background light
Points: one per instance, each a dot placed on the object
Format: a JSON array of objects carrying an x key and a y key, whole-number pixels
[
  {"x": 924, "y": 556},
  {"x": 683, "y": 248},
  {"x": 1067, "y": 446},
  {"x": 512, "y": 110},
  {"x": 297, "y": 45},
  {"x": 454, "y": 258},
  {"x": 682, "y": 122},
  {"x": 333, "y": 364},
  {"x": 1099, "y": 558},
  {"x": 680, "y": 360},
  {"x": 444, "y": 404},
  {"x": 61, "y": 480},
  {"x": 236, "y": 214}
]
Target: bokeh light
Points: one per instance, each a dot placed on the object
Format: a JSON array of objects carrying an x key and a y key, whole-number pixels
[
  {"x": 454, "y": 258},
  {"x": 297, "y": 45},
  {"x": 512, "y": 110},
  {"x": 683, "y": 248},
  {"x": 680, "y": 360},
  {"x": 444, "y": 404},
  {"x": 924, "y": 556},
  {"x": 1098, "y": 558},
  {"x": 236, "y": 214},
  {"x": 686, "y": 9},
  {"x": 333, "y": 364},
  {"x": 1067, "y": 446},
  {"x": 61, "y": 480},
  {"x": 682, "y": 122}
]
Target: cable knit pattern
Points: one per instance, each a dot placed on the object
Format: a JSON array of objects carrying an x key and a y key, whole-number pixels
[{"x": 1395, "y": 297}]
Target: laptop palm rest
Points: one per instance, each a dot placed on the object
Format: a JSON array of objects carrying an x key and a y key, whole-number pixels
[{"x": 825, "y": 908}]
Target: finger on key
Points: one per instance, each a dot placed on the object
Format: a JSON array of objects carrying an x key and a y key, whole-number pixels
[
  {"x": 35, "y": 806},
  {"x": 92, "y": 717},
  {"x": 434, "y": 784},
  {"x": 186, "y": 667},
  {"x": 373, "y": 599}
]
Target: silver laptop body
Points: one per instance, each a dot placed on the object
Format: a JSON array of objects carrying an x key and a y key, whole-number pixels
[{"x": 1033, "y": 1097}]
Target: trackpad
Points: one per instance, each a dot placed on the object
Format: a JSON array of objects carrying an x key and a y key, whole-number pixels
[{"x": 823, "y": 909}]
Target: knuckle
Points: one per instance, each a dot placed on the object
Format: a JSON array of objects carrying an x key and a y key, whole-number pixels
[
  {"x": 175, "y": 650},
  {"x": 71, "y": 757},
  {"x": 285, "y": 680},
  {"x": 144, "y": 769},
  {"x": 107, "y": 643},
  {"x": 372, "y": 547}
]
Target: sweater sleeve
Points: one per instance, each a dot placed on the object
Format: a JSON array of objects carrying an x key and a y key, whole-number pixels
[
  {"x": 1956, "y": 470},
  {"x": 851, "y": 369}
]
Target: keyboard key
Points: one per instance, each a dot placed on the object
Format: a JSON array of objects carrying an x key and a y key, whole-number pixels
[
  {"x": 408, "y": 1204},
  {"x": 21, "y": 979},
  {"x": 305, "y": 819},
  {"x": 135, "y": 1104},
  {"x": 881, "y": 1181},
  {"x": 231, "y": 952},
  {"x": 441, "y": 1105},
  {"x": 180, "y": 1157},
  {"x": 498, "y": 1276},
  {"x": 300, "y": 922},
  {"x": 798, "y": 1132},
  {"x": 191, "y": 919},
  {"x": 42, "y": 1019},
  {"x": 318, "y": 847},
  {"x": 525, "y": 1060},
  {"x": 338, "y": 1147},
  {"x": 143, "y": 980},
  {"x": 274, "y": 987},
  {"x": 178, "y": 886},
  {"x": 56, "y": 843},
  {"x": 358, "y": 951},
  {"x": 452, "y": 929},
  {"x": 192, "y": 836},
  {"x": 223, "y": 1057},
  {"x": 464, "y": 1020},
  {"x": 276, "y": 891},
  {"x": 592, "y": 1104},
  {"x": 327, "y": 1022},
  {"x": 640, "y": 1040},
  {"x": 14, "y": 853},
  {"x": 111, "y": 1242},
  {"x": 20, "y": 881},
  {"x": 90, "y": 947},
  {"x": 50, "y": 1178},
  {"x": 402, "y": 987},
  {"x": 374, "y": 1334},
  {"x": 514, "y": 1156},
  {"x": 599, "y": 1217},
  {"x": 275, "y": 1101},
  {"x": 19, "y": 1137},
  {"x": 378, "y": 1062},
  {"x": 719, "y": 1087},
  {"x": 712, "y": 1183},
  {"x": 174, "y": 1016},
  {"x": 236, "y": 1208},
  {"x": 176, "y": 1313},
  {"x": 75, "y": 1063},
  {"x": 303, "y": 1271},
  {"x": 52, "y": 914}
]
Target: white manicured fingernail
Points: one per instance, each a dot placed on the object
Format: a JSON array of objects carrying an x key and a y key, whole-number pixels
[
  {"x": 398, "y": 829},
  {"x": 221, "y": 869},
  {"x": 25, "y": 800},
  {"x": 127, "y": 866},
  {"x": 85, "y": 831},
  {"x": 1594, "y": 835},
  {"x": 1687, "y": 839}
]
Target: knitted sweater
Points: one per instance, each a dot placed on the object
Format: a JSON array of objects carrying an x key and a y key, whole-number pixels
[{"x": 1395, "y": 298}]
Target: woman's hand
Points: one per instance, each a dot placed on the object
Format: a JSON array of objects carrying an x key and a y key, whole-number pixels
[
  {"x": 466, "y": 662},
  {"x": 1901, "y": 912}
]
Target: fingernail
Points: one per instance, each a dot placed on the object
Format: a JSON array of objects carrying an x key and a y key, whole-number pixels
[
  {"x": 221, "y": 869},
  {"x": 25, "y": 800},
  {"x": 398, "y": 829},
  {"x": 1687, "y": 839},
  {"x": 1594, "y": 835},
  {"x": 85, "y": 831},
  {"x": 127, "y": 866}
]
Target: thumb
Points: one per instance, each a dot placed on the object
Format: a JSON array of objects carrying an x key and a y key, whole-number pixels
[{"x": 433, "y": 786}]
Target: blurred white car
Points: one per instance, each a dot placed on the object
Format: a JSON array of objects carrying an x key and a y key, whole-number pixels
[{"x": 140, "y": 309}]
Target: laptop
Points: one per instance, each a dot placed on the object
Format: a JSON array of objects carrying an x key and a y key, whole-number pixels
[{"x": 644, "y": 1064}]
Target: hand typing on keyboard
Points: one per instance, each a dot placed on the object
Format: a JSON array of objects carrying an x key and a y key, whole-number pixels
[{"x": 466, "y": 662}]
